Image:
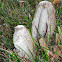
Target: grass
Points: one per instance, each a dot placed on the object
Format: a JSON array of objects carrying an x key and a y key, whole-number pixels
[{"x": 12, "y": 14}]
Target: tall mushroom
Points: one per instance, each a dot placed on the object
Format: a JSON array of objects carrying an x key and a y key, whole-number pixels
[{"x": 44, "y": 20}]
